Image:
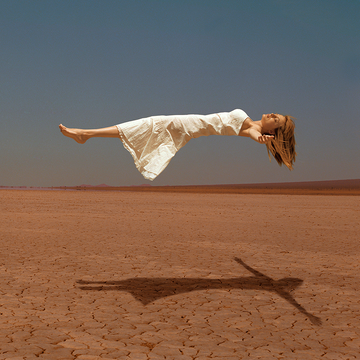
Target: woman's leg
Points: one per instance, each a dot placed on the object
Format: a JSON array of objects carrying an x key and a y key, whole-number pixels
[{"x": 82, "y": 135}]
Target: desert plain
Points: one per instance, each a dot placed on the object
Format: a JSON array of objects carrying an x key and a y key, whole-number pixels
[{"x": 171, "y": 275}]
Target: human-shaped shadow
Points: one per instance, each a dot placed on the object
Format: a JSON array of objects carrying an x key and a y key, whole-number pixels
[{"x": 147, "y": 290}]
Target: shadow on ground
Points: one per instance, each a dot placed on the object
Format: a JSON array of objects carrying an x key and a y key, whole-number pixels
[{"x": 147, "y": 290}]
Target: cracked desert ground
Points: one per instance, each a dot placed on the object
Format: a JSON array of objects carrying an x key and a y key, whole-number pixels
[{"x": 129, "y": 275}]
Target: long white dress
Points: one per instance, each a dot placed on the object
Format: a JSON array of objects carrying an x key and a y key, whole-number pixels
[{"x": 153, "y": 141}]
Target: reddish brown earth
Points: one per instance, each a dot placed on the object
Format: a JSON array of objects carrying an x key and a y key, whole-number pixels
[{"x": 170, "y": 275}]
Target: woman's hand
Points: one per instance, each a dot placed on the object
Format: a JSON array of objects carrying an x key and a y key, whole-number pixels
[
  {"x": 264, "y": 139},
  {"x": 258, "y": 136}
]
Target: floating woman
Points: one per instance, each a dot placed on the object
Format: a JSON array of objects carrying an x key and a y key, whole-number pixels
[{"x": 153, "y": 141}]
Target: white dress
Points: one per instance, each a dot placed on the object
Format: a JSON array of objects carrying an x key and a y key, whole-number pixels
[{"x": 153, "y": 141}]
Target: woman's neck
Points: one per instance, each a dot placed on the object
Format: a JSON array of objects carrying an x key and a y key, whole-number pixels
[{"x": 259, "y": 126}]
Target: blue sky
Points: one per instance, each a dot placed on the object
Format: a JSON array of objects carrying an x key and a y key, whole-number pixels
[{"x": 99, "y": 63}]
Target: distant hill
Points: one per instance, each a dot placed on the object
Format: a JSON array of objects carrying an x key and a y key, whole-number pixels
[{"x": 328, "y": 187}]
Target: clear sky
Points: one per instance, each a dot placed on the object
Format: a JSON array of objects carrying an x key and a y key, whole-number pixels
[{"x": 89, "y": 64}]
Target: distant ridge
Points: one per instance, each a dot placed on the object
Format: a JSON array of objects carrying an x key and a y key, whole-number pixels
[
  {"x": 326, "y": 187},
  {"x": 87, "y": 185}
]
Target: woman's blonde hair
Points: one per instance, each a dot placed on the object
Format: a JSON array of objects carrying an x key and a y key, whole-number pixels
[{"x": 282, "y": 147}]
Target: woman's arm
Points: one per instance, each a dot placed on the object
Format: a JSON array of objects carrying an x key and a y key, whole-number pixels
[{"x": 258, "y": 137}]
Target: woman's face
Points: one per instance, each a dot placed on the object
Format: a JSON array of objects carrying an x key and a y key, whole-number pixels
[{"x": 271, "y": 122}]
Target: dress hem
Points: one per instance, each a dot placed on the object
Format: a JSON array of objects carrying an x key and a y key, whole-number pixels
[{"x": 145, "y": 173}]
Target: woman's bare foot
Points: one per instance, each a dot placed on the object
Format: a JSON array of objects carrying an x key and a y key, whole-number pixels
[{"x": 77, "y": 134}]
